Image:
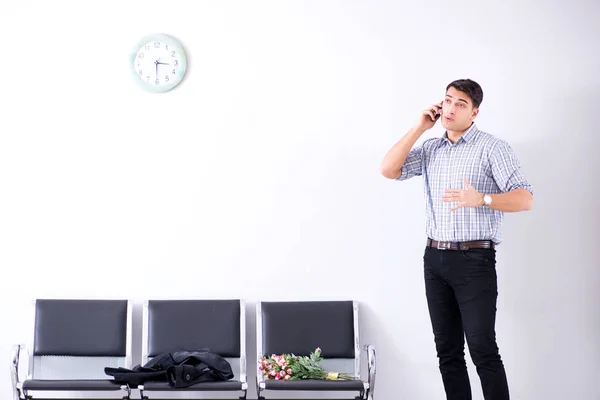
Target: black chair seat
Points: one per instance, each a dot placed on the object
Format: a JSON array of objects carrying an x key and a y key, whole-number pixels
[
  {"x": 203, "y": 386},
  {"x": 310, "y": 384},
  {"x": 76, "y": 384}
]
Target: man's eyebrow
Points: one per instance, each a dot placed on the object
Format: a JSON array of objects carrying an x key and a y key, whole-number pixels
[{"x": 459, "y": 99}]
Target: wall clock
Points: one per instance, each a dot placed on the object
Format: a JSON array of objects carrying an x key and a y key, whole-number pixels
[{"x": 158, "y": 63}]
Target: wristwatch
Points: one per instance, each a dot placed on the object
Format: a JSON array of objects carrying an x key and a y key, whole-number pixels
[{"x": 487, "y": 200}]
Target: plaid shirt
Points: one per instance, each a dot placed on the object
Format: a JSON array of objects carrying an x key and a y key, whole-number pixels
[{"x": 487, "y": 163}]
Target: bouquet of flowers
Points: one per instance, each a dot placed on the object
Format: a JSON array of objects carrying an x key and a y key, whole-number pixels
[{"x": 290, "y": 366}]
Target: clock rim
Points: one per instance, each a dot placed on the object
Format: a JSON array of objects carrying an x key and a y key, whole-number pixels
[{"x": 172, "y": 42}]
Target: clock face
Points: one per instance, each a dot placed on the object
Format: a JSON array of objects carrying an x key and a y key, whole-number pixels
[{"x": 159, "y": 63}]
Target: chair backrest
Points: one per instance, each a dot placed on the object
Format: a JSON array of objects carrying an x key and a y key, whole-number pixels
[
  {"x": 302, "y": 326},
  {"x": 77, "y": 339},
  {"x": 188, "y": 325}
]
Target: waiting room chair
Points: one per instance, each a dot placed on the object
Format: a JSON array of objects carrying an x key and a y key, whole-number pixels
[
  {"x": 299, "y": 328},
  {"x": 72, "y": 342},
  {"x": 188, "y": 325}
]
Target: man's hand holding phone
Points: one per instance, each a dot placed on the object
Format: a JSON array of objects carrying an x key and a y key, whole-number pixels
[
  {"x": 429, "y": 117},
  {"x": 391, "y": 166}
]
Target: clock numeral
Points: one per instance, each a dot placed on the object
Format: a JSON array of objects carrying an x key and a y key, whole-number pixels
[
  {"x": 147, "y": 79},
  {"x": 147, "y": 47},
  {"x": 173, "y": 72},
  {"x": 176, "y": 63},
  {"x": 172, "y": 54},
  {"x": 167, "y": 78},
  {"x": 141, "y": 55},
  {"x": 156, "y": 81},
  {"x": 166, "y": 47},
  {"x": 140, "y": 72}
]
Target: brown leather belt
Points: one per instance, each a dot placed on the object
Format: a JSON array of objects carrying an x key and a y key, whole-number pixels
[{"x": 476, "y": 244}]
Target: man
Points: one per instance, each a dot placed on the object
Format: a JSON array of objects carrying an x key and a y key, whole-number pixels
[{"x": 470, "y": 179}]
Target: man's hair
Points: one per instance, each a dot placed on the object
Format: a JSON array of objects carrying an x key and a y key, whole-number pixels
[{"x": 471, "y": 88}]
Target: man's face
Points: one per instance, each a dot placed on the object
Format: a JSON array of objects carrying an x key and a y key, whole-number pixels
[{"x": 457, "y": 110}]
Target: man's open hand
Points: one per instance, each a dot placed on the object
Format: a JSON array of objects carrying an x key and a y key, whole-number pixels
[{"x": 468, "y": 197}]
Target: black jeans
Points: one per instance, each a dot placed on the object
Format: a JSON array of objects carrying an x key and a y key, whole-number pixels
[{"x": 462, "y": 289}]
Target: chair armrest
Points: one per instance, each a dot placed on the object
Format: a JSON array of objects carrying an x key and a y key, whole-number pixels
[
  {"x": 260, "y": 380},
  {"x": 14, "y": 370},
  {"x": 243, "y": 369},
  {"x": 372, "y": 370}
]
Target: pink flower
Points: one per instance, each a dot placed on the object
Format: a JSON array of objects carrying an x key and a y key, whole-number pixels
[
  {"x": 260, "y": 367},
  {"x": 289, "y": 371},
  {"x": 273, "y": 373},
  {"x": 282, "y": 373},
  {"x": 318, "y": 350},
  {"x": 287, "y": 378},
  {"x": 277, "y": 377}
]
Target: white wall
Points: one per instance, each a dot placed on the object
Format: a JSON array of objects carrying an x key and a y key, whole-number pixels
[{"x": 258, "y": 177}]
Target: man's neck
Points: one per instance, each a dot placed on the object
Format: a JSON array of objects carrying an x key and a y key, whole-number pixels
[{"x": 453, "y": 136}]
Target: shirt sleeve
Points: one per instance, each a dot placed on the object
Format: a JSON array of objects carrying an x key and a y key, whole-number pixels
[
  {"x": 413, "y": 165},
  {"x": 506, "y": 169}
]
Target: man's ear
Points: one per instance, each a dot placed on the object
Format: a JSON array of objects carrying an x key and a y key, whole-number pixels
[{"x": 474, "y": 113}]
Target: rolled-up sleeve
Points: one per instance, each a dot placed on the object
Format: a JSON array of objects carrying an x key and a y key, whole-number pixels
[
  {"x": 506, "y": 169},
  {"x": 413, "y": 165}
]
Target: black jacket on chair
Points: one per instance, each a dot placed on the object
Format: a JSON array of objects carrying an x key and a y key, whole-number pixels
[{"x": 180, "y": 369}]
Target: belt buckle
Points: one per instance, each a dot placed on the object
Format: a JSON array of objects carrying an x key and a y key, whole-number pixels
[{"x": 442, "y": 245}]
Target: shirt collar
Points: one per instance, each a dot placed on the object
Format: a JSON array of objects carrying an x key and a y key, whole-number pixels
[{"x": 467, "y": 135}]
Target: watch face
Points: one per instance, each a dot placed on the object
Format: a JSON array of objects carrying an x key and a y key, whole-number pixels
[{"x": 159, "y": 63}]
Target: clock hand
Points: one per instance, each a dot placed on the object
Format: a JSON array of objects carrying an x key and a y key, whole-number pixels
[
  {"x": 156, "y": 73},
  {"x": 163, "y": 63}
]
